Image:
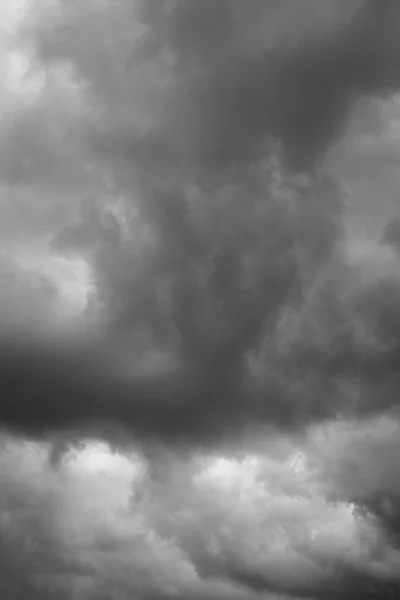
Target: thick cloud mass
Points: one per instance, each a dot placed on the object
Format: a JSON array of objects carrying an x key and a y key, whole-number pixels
[
  {"x": 238, "y": 336},
  {"x": 212, "y": 80},
  {"x": 268, "y": 525},
  {"x": 227, "y": 239}
]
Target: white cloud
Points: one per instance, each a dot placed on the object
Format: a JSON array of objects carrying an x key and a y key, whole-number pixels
[{"x": 214, "y": 527}]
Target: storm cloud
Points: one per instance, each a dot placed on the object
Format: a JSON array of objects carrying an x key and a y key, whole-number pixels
[
  {"x": 232, "y": 347},
  {"x": 231, "y": 235}
]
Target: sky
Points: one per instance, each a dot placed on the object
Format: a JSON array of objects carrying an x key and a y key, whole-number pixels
[{"x": 199, "y": 299}]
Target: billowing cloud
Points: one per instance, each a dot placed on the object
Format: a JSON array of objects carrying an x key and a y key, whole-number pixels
[
  {"x": 194, "y": 285},
  {"x": 184, "y": 276},
  {"x": 212, "y": 80},
  {"x": 250, "y": 527}
]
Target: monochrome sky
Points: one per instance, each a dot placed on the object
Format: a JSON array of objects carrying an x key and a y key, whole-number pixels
[{"x": 199, "y": 299}]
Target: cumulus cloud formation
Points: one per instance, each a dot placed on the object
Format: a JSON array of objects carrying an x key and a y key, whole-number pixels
[
  {"x": 187, "y": 267},
  {"x": 191, "y": 273},
  {"x": 222, "y": 75},
  {"x": 259, "y": 526}
]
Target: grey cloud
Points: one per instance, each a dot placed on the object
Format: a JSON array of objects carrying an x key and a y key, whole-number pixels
[
  {"x": 209, "y": 283},
  {"x": 224, "y": 300}
]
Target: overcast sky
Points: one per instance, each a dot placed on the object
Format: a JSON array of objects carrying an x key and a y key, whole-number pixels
[{"x": 199, "y": 294}]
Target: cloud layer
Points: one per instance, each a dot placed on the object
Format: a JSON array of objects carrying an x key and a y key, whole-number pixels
[
  {"x": 238, "y": 340},
  {"x": 262, "y": 525},
  {"x": 209, "y": 278}
]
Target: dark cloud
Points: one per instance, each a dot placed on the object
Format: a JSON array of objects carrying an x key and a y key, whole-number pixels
[
  {"x": 238, "y": 75},
  {"x": 232, "y": 339},
  {"x": 228, "y": 241},
  {"x": 179, "y": 318},
  {"x": 391, "y": 234}
]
